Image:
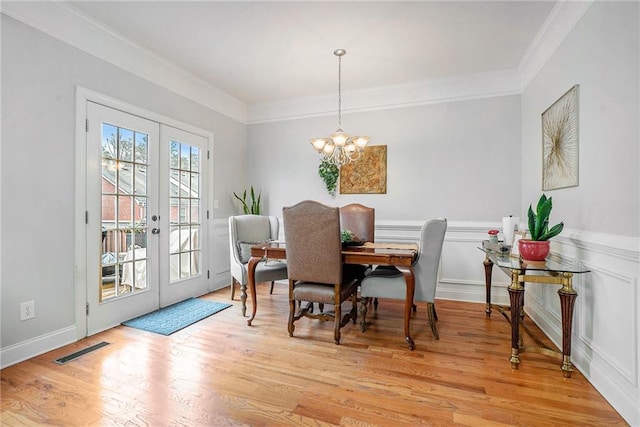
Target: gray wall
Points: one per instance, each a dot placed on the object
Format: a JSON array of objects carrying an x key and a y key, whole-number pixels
[
  {"x": 459, "y": 160},
  {"x": 601, "y": 55},
  {"x": 39, "y": 79}
]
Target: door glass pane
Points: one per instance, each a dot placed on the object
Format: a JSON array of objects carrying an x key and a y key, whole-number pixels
[
  {"x": 184, "y": 203},
  {"x": 125, "y": 144},
  {"x": 140, "y": 180},
  {"x": 124, "y": 214},
  {"x": 142, "y": 143},
  {"x": 174, "y": 155}
]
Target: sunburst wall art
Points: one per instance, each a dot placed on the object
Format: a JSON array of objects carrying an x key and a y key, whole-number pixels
[{"x": 560, "y": 142}]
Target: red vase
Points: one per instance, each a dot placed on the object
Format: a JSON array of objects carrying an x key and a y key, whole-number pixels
[{"x": 533, "y": 250}]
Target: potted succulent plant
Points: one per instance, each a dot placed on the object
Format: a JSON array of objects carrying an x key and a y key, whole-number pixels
[{"x": 537, "y": 248}]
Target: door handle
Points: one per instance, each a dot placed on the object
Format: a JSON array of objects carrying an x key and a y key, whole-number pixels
[{"x": 155, "y": 231}]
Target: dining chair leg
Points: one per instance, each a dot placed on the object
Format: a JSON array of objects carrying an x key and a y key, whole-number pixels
[
  {"x": 364, "y": 302},
  {"x": 292, "y": 310},
  {"x": 354, "y": 308},
  {"x": 233, "y": 287},
  {"x": 336, "y": 323},
  {"x": 431, "y": 312},
  {"x": 271, "y": 290}
]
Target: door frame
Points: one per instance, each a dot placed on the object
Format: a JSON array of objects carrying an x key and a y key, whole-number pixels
[{"x": 83, "y": 96}]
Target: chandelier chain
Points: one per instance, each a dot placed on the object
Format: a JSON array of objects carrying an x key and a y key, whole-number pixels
[{"x": 340, "y": 92}]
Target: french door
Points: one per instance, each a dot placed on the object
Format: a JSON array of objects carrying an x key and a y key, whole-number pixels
[{"x": 146, "y": 245}]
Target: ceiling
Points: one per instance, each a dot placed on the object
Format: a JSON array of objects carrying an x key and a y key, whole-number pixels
[{"x": 269, "y": 51}]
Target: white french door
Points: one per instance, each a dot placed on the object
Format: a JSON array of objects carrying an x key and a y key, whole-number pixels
[
  {"x": 182, "y": 248},
  {"x": 146, "y": 187}
]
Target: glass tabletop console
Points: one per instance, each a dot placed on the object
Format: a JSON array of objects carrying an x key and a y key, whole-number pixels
[{"x": 553, "y": 271}]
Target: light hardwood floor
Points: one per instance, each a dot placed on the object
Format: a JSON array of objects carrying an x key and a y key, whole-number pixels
[{"x": 221, "y": 372}]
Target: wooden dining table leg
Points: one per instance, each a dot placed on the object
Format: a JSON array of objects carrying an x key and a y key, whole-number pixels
[
  {"x": 516, "y": 298},
  {"x": 410, "y": 280},
  {"x": 488, "y": 269},
  {"x": 251, "y": 272},
  {"x": 567, "y": 301}
]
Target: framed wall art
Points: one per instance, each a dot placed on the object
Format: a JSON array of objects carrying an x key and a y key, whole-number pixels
[
  {"x": 560, "y": 142},
  {"x": 367, "y": 175}
]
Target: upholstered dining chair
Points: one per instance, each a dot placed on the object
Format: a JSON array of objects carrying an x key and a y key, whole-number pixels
[
  {"x": 314, "y": 260},
  {"x": 387, "y": 283},
  {"x": 361, "y": 221},
  {"x": 244, "y": 232}
]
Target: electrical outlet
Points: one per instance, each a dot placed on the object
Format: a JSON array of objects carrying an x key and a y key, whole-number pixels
[{"x": 27, "y": 310}]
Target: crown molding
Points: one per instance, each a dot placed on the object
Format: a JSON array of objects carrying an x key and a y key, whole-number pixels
[
  {"x": 63, "y": 22},
  {"x": 564, "y": 16},
  {"x": 486, "y": 85}
]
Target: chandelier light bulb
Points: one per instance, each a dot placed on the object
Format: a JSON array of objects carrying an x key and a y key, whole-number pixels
[{"x": 328, "y": 149}]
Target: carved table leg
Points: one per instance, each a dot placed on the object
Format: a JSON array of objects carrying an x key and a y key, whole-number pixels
[
  {"x": 251, "y": 272},
  {"x": 567, "y": 302},
  {"x": 410, "y": 280},
  {"x": 488, "y": 268},
  {"x": 516, "y": 299}
]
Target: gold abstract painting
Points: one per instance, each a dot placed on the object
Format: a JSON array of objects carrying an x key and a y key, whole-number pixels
[
  {"x": 367, "y": 175},
  {"x": 560, "y": 142}
]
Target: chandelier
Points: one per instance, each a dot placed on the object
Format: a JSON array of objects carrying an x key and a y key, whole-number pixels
[{"x": 340, "y": 148}]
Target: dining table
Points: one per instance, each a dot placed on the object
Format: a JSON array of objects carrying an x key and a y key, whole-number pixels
[{"x": 400, "y": 255}]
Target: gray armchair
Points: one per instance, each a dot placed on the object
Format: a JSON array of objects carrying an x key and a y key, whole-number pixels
[
  {"x": 390, "y": 283},
  {"x": 244, "y": 232}
]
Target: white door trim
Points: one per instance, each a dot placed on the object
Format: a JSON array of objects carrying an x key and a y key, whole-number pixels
[{"x": 83, "y": 96}]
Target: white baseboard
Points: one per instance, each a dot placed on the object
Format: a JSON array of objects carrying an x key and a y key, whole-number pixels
[{"x": 36, "y": 346}]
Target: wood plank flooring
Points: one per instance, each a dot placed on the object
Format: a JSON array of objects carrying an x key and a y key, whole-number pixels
[{"x": 221, "y": 372}]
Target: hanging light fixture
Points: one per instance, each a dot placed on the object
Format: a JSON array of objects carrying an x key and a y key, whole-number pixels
[{"x": 340, "y": 148}]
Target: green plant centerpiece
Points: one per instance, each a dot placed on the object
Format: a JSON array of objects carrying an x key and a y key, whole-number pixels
[
  {"x": 537, "y": 248},
  {"x": 329, "y": 174},
  {"x": 252, "y": 206},
  {"x": 349, "y": 238}
]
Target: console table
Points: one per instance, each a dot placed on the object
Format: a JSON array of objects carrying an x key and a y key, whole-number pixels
[{"x": 551, "y": 272}]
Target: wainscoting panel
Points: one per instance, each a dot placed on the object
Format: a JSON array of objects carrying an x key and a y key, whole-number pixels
[
  {"x": 598, "y": 321},
  {"x": 606, "y": 324},
  {"x": 222, "y": 271}
]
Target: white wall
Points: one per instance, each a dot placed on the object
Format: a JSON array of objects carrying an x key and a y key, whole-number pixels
[
  {"x": 601, "y": 54},
  {"x": 39, "y": 79}
]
